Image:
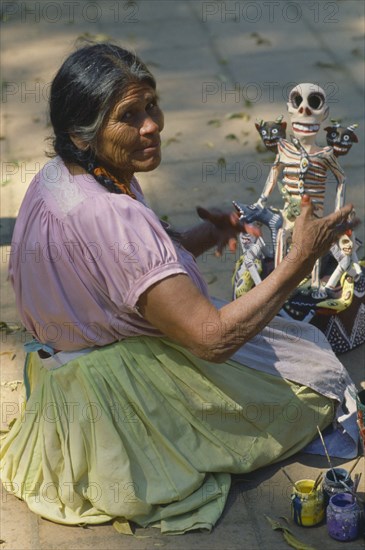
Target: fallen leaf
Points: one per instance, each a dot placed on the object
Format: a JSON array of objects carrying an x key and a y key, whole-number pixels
[
  {"x": 8, "y": 328},
  {"x": 169, "y": 141},
  {"x": 13, "y": 384},
  {"x": 235, "y": 115},
  {"x": 122, "y": 526},
  {"x": 288, "y": 535},
  {"x": 214, "y": 122},
  {"x": 248, "y": 103},
  {"x": 11, "y": 354},
  {"x": 232, "y": 137},
  {"x": 99, "y": 37}
]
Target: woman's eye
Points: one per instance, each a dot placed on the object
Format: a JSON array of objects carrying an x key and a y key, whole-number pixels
[
  {"x": 126, "y": 116},
  {"x": 151, "y": 106}
]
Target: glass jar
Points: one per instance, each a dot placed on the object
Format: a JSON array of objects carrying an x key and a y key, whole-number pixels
[
  {"x": 331, "y": 487},
  {"x": 307, "y": 505},
  {"x": 343, "y": 517}
]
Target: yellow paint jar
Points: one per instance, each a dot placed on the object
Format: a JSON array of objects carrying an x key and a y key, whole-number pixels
[{"x": 307, "y": 505}]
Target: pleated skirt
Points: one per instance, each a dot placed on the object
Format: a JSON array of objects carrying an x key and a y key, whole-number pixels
[{"x": 144, "y": 430}]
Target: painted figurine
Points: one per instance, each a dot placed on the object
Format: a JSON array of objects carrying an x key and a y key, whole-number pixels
[
  {"x": 271, "y": 132},
  {"x": 348, "y": 262},
  {"x": 301, "y": 166},
  {"x": 340, "y": 138},
  {"x": 248, "y": 268},
  {"x": 271, "y": 217}
]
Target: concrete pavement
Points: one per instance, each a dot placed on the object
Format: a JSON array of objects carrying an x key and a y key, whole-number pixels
[{"x": 219, "y": 66}]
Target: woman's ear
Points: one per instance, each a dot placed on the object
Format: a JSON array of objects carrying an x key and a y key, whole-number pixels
[{"x": 80, "y": 143}]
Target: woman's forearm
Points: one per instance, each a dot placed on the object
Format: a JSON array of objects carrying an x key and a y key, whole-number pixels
[{"x": 177, "y": 308}]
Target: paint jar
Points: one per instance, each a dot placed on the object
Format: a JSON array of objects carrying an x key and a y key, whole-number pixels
[
  {"x": 343, "y": 517},
  {"x": 331, "y": 487},
  {"x": 307, "y": 505}
]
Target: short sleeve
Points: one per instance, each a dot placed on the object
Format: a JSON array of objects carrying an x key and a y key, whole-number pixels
[{"x": 132, "y": 251}]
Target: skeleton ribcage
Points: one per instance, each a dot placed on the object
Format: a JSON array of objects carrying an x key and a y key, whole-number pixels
[{"x": 314, "y": 181}]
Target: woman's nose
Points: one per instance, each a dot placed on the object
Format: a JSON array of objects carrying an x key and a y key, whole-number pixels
[{"x": 149, "y": 126}]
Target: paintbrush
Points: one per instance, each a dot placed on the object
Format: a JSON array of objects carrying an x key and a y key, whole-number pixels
[
  {"x": 317, "y": 481},
  {"x": 353, "y": 489},
  {"x": 288, "y": 476},
  {"x": 327, "y": 455},
  {"x": 354, "y": 466},
  {"x": 357, "y": 478}
]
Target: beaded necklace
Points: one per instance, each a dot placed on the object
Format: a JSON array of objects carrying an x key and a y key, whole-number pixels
[{"x": 109, "y": 181}]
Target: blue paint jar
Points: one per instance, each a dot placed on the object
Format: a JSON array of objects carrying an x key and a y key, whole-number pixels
[
  {"x": 343, "y": 517},
  {"x": 342, "y": 484}
]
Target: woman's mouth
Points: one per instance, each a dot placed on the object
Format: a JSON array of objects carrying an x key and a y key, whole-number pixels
[{"x": 150, "y": 149}]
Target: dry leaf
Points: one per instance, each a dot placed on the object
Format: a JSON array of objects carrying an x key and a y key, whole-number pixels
[
  {"x": 288, "y": 536},
  {"x": 123, "y": 527}
]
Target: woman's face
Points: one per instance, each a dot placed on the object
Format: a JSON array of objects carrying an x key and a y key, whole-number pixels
[{"x": 130, "y": 141}]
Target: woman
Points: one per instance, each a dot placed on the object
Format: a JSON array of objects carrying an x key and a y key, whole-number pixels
[{"x": 142, "y": 398}]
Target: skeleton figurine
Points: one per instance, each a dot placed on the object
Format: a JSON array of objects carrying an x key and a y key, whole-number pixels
[
  {"x": 270, "y": 217},
  {"x": 271, "y": 131},
  {"x": 340, "y": 138},
  {"x": 348, "y": 262},
  {"x": 303, "y": 166},
  {"x": 248, "y": 268}
]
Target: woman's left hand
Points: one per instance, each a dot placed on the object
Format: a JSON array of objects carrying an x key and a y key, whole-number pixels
[{"x": 227, "y": 225}]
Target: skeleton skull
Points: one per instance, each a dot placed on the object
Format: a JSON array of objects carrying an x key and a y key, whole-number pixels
[
  {"x": 308, "y": 108},
  {"x": 346, "y": 245}
]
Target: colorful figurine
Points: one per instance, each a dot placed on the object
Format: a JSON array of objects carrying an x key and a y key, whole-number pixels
[
  {"x": 271, "y": 132},
  {"x": 348, "y": 262},
  {"x": 340, "y": 138},
  {"x": 271, "y": 217},
  {"x": 301, "y": 167},
  {"x": 249, "y": 266}
]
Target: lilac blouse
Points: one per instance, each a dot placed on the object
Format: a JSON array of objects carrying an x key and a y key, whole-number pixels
[{"x": 81, "y": 257}]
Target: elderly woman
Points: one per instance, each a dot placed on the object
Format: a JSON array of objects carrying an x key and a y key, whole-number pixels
[{"x": 143, "y": 396}]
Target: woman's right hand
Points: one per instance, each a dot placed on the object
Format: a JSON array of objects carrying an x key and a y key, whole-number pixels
[{"x": 313, "y": 237}]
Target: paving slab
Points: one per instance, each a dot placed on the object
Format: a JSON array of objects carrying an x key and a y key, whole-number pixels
[{"x": 212, "y": 60}]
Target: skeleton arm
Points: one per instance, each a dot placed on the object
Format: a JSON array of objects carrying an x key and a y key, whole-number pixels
[
  {"x": 341, "y": 181},
  {"x": 270, "y": 184}
]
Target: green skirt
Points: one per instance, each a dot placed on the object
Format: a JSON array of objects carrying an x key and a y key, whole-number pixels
[{"x": 144, "y": 430}]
